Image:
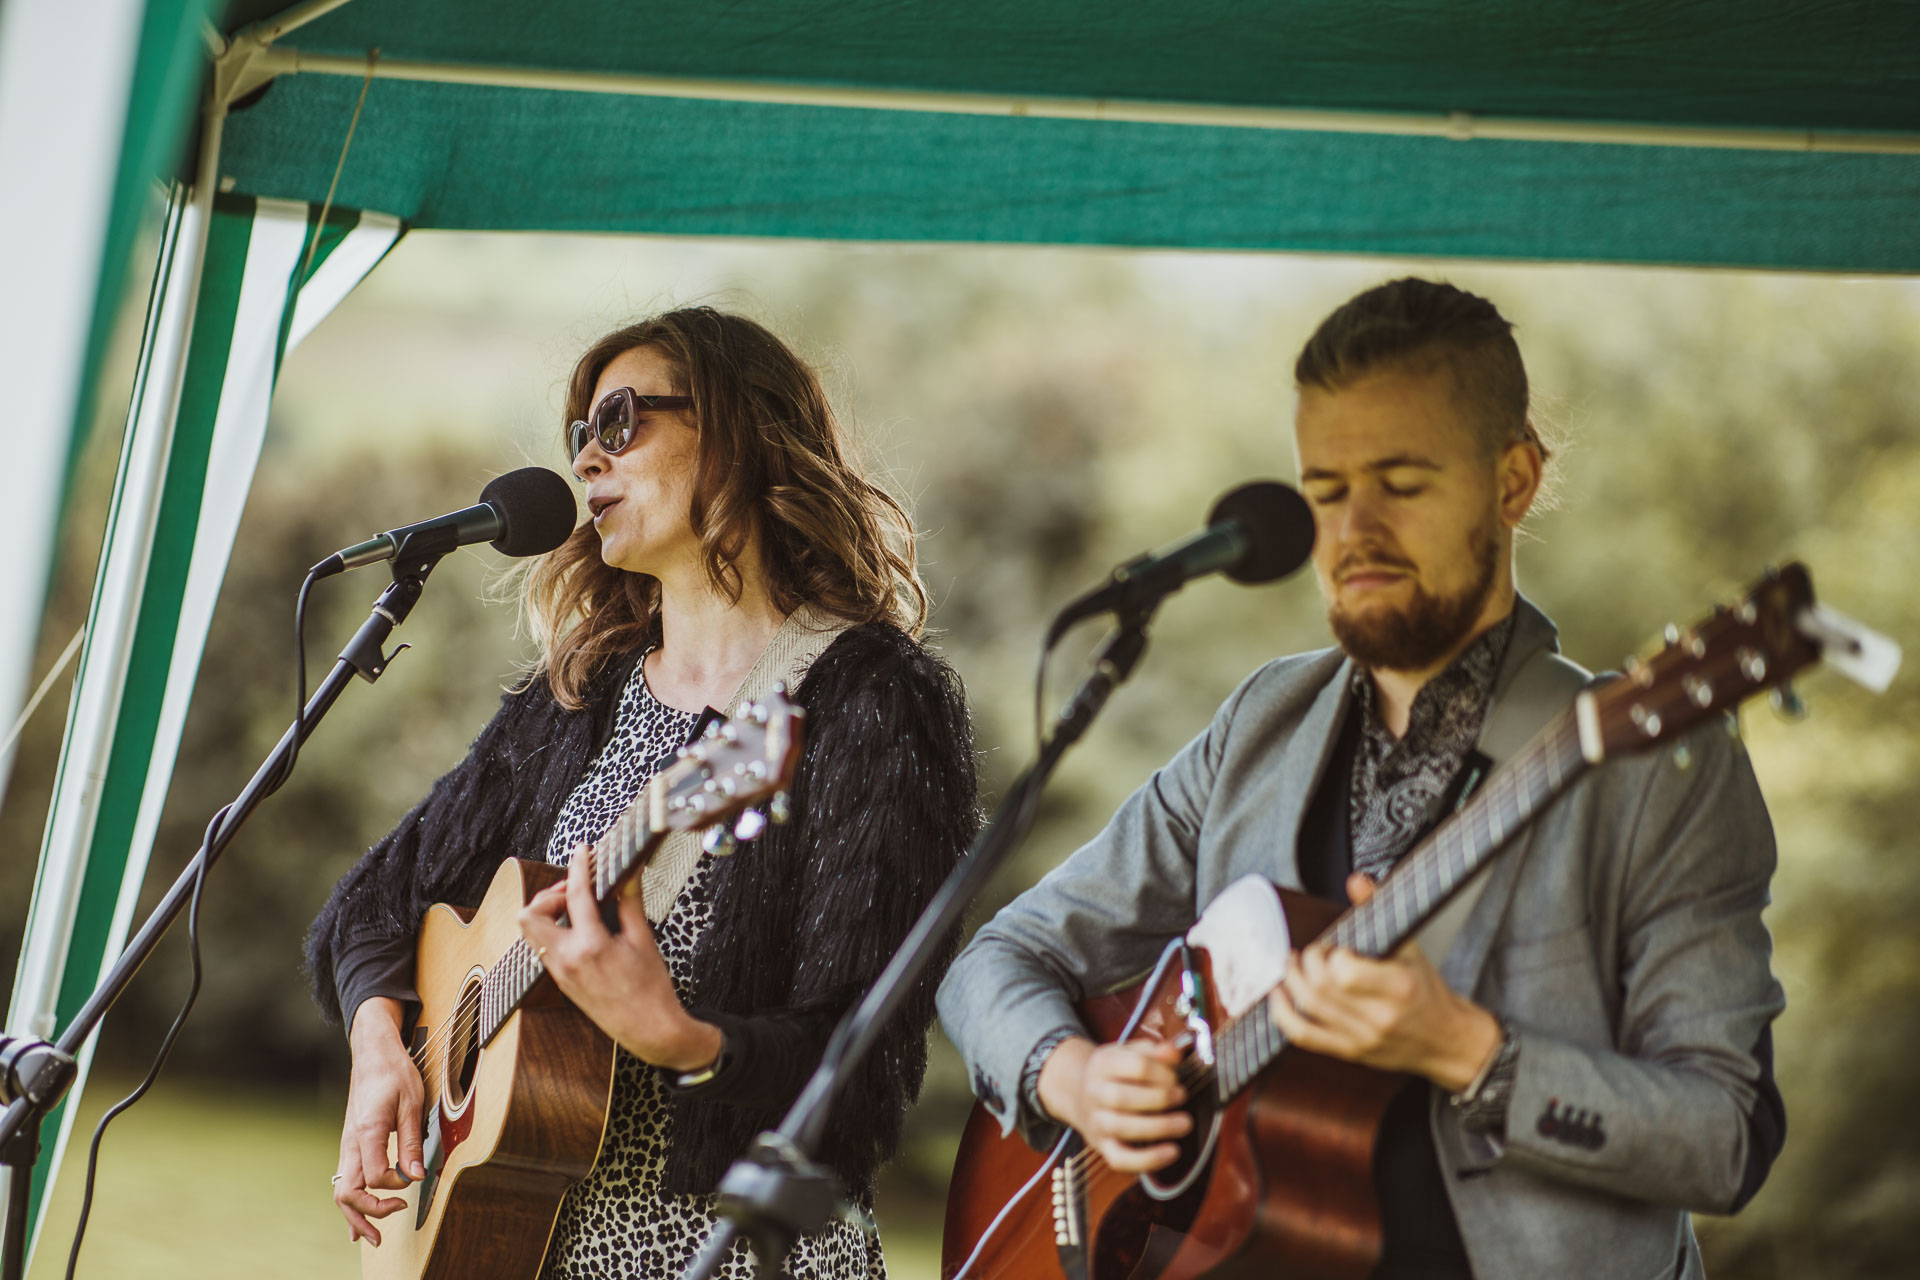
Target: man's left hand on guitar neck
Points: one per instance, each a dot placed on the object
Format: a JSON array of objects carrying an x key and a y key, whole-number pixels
[
  {"x": 617, "y": 979},
  {"x": 1395, "y": 1014}
]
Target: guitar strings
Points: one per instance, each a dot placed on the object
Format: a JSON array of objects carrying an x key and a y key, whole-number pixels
[
  {"x": 430, "y": 1056},
  {"x": 1195, "y": 1073},
  {"x": 461, "y": 1019},
  {"x": 623, "y": 839}
]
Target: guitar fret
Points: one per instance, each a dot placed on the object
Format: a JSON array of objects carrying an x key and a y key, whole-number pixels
[
  {"x": 1424, "y": 880},
  {"x": 1433, "y": 872}
]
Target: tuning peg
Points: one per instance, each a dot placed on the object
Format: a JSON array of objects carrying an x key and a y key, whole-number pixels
[
  {"x": 780, "y": 809},
  {"x": 718, "y": 840},
  {"x": 749, "y": 825},
  {"x": 1786, "y": 700}
]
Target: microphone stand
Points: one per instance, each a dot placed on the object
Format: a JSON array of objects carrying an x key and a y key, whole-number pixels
[
  {"x": 776, "y": 1193},
  {"x": 35, "y": 1075}
]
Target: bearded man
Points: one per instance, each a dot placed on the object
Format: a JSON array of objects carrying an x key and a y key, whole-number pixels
[{"x": 1592, "y": 1058}]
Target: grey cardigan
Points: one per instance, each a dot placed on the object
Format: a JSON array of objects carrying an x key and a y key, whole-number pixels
[{"x": 1620, "y": 935}]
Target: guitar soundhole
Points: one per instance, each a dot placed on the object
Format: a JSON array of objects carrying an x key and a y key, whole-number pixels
[
  {"x": 463, "y": 1047},
  {"x": 1144, "y": 1228},
  {"x": 1196, "y": 1147}
]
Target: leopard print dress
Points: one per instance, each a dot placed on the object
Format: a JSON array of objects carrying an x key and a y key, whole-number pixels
[{"x": 617, "y": 1222}]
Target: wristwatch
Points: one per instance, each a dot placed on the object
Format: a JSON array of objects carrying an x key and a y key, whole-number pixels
[{"x": 1483, "y": 1103}]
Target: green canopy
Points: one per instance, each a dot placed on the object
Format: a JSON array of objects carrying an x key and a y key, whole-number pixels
[{"x": 1782, "y": 136}]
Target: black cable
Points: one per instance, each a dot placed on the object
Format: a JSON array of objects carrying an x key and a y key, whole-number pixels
[
  {"x": 209, "y": 843},
  {"x": 160, "y": 1059},
  {"x": 1040, "y": 698},
  {"x": 299, "y": 682}
]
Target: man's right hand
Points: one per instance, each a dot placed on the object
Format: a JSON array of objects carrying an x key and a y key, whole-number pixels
[
  {"x": 385, "y": 1097},
  {"x": 1120, "y": 1098}
]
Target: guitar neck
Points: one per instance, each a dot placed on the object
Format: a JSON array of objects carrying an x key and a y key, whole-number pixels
[
  {"x": 622, "y": 850},
  {"x": 1423, "y": 882}
]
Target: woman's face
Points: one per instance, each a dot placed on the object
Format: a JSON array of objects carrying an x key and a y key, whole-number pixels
[{"x": 641, "y": 497}]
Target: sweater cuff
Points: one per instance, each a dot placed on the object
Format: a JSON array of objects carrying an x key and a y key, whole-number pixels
[
  {"x": 372, "y": 967},
  {"x": 764, "y": 1058}
]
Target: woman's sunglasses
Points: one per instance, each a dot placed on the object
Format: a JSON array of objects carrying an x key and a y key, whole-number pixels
[{"x": 615, "y": 418}]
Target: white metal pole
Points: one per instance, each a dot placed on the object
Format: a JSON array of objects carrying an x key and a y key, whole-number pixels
[{"x": 102, "y": 679}]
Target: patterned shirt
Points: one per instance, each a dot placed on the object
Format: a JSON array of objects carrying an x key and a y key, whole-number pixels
[
  {"x": 618, "y": 1223},
  {"x": 1398, "y": 781}
]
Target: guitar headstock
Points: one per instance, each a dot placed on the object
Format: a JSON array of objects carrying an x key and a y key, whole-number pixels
[
  {"x": 734, "y": 766},
  {"x": 1707, "y": 669}
]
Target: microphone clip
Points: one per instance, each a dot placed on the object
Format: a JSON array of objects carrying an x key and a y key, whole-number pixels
[{"x": 411, "y": 563}]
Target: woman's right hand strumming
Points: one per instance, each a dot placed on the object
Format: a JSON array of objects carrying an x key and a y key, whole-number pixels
[{"x": 385, "y": 1097}]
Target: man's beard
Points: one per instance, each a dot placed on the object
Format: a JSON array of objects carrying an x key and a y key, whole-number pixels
[{"x": 1429, "y": 628}]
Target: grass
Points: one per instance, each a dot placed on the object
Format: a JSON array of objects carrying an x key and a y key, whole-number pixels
[
  {"x": 202, "y": 1181},
  {"x": 212, "y": 1181}
]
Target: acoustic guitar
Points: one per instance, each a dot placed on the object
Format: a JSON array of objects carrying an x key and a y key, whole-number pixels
[
  {"x": 1275, "y": 1179},
  {"x": 518, "y": 1080}
]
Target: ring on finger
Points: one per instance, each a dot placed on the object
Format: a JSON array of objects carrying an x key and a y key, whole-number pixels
[{"x": 335, "y": 1179}]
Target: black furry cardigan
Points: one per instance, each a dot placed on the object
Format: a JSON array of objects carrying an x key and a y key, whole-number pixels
[{"x": 885, "y": 803}]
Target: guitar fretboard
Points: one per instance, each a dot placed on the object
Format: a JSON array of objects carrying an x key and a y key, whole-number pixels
[
  {"x": 1422, "y": 883},
  {"x": 627, "y": 844}
]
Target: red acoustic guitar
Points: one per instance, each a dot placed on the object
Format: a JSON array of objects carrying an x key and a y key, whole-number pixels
[
  {"x": 1276, "y": 1178},
  {"x": 518, "y": 1080}
]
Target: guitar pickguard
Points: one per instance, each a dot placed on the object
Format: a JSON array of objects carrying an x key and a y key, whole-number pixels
[{"x": 1245, "y": 934}]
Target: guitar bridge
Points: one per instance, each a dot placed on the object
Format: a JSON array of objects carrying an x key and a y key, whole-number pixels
[{"x": 1070, "y": 1213}]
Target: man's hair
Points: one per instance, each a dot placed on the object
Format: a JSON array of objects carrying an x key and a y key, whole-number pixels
[{"x": 1419, "y": 324}]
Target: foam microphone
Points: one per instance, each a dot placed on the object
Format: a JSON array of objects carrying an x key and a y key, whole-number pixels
[
  {"x": 522, "y": 513},
  {"x": 1256, "y": 533}
]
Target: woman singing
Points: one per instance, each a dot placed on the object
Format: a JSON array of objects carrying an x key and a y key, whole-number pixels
[{"x": 731, "y": 542}]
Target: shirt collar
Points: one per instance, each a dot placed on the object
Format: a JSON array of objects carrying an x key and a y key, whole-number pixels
[{"x": 1467, "y": 679}]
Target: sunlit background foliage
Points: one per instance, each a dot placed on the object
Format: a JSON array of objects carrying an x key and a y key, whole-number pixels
[{"x": 1047, "y": 413}]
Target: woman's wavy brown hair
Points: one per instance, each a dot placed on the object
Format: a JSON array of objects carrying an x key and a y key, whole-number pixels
[{"x": 770, "y": 459}]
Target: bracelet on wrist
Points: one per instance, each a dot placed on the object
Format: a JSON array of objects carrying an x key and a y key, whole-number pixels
[{"x": 694, "y": 1079}]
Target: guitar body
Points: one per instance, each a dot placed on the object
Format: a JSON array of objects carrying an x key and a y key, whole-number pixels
[
  {"x": 511, "y": 1125},
  {"x": 1276, "y": 1184}
]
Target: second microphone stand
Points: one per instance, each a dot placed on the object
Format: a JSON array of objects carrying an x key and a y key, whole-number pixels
[{"x": 776, "y": 1193}]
